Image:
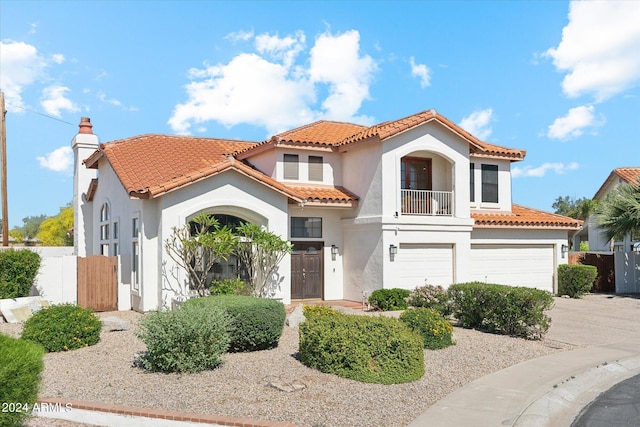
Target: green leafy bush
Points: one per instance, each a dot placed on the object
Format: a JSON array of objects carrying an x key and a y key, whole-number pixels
[
  {"x": 514, "y": 311},
  {"x": 230, "y": 287},
  {"x": 192, "y": 338},
  {"x": 369, "y": 349},
  {"x": 63, "y": 327},
  {"x": 256, "y": 323},
  {"x": 318, "y": 310},
  {"x": 575, "y": 280},
  {"x": 389, "y": 299},
  {"x": 18, "y": 270},
  {"x": 430, "y": 296},
  {"x": 436, "y": 331},
  {"x": 20, "y": 368}
]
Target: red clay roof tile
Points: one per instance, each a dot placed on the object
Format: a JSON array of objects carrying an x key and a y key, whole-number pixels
[
  {"x": 629, "y": 175},
  {"x": 523, "y": 217}
]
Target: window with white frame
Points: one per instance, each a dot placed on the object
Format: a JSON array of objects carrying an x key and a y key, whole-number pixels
[
  {"x": 105, "y": 229},
  {"x": 135, "y": 253}
]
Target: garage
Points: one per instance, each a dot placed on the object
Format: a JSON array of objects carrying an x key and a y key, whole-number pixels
[
  {"x": 420, "y": 263},
  {"x": 515, "y": 265}
]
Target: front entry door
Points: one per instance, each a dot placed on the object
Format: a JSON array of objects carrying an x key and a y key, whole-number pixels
[{"x": 306, "y": 270}]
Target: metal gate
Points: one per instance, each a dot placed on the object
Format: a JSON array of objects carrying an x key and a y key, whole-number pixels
[{"x": 98, "y": 283}]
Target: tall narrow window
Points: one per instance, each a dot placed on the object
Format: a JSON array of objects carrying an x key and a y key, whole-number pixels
[
  {"x": 105, "y": 235},
  {"x": 290, "y": 166},
  {"x": 135, "y": 254},
  {"x": 472, "y": 181},
  {"x": 315, "y": 168},
  {"x": 490, "y": 183}
]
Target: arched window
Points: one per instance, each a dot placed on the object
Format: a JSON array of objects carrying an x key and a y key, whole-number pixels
[{"x": 108, "y": 232}]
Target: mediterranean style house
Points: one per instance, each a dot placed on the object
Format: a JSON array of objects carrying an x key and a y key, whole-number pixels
[{"x": 402, "y": 203}]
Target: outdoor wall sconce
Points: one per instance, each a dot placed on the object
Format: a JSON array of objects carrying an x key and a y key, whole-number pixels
[
  {"x": 564, "y": 249},
  {"x": 334, "y": 252},
  {"x": 393, "y": 251},
  {"x": 636, "y": 247}
]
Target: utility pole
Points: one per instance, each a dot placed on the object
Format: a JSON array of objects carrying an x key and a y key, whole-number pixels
[{"x": 3, "y": 147}]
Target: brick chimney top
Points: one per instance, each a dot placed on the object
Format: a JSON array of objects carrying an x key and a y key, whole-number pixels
[{"x": 85, "y": 126}]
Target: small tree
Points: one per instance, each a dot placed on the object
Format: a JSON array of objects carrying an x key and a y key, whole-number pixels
[
  {"x": 619, "y": 213},
  {"x": 197, "y": 246},
  {"x": 56, "y": 231},
  {"x": 260, "y": 252}
]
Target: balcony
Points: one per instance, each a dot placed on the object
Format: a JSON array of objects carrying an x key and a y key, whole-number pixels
[{"x": 427, "y": 202}]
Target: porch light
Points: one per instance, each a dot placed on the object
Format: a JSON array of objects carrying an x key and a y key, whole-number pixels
[
  {"x": 564, "y": 249},
  {"x": 636, "y": 247},
  {"x": 393, "y": 251},
  {"x": 334, "y": 252}
]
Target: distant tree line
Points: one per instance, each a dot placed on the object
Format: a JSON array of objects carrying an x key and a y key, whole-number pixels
[{"x": 47, "y": 230}]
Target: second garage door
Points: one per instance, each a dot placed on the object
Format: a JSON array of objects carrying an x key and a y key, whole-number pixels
[
  {"x": 514, "y": 265},
  {"x": 419, "y": 264}
]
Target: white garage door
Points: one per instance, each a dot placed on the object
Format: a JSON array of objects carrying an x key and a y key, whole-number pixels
[
  {"x": 419, "y": 264},
  {"x": 514, "y": 265}
]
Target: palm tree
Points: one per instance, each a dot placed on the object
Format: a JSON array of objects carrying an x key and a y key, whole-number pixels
[{"x": 619, "y": 213}]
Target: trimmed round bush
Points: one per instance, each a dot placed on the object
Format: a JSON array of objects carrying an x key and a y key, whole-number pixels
[
  {"x": 190, "y": 339},
  {"x": 430, "y": 296},
  {"x": 369, "y": 349},
  {"x": 575, "y": 280},
  {"x": 389, "y": 299},
  {"x": 18, "y": 270},
  {"x": 436, "y": 331},
  {"x": 20, "y": 368},
  {"x": 63, "y": 327},
  {"x": 318, "y": 310},
  {"x": 256, "y": 323}
]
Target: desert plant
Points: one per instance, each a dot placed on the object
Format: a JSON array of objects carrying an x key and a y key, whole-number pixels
[
  {"x": 389, "y": 299},
  {"x": 20, "y": 367},
  {"x": 509, "y": 310},
  {"x": 256, "y": 323},
  {"x": 18, "y": 270},
  {"x": 230, "y": 287},
  {"x": 430, "y": 296},
  {"x": 63, "y": 327},
  {"x": 575, "y": 280},
  {"x": 436, "y": 331},
  {"x": 368, "y": 349},
  {"x": 192, "y": 338},
  {"x": 318, "y": 310}
]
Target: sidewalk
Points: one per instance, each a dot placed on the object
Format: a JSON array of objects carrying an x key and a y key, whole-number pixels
[{"x": 552, "y": 390}]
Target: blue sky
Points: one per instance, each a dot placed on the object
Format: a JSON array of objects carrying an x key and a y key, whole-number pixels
[{"x": 559, "y": 79}]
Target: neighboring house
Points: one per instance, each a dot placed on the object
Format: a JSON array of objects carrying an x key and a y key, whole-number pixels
[
  {"x": 399, "y": 204},
  {"x": 591, "y": 232}
]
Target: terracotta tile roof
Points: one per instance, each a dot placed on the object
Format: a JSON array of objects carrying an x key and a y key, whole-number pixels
[
  {"x": 629, "y": 175},
  {"x": 321, "y": 132},
  {"x": 524, "y": 217},
  {"x": 386, "y": 130},
  {"x": 321, "y": 195}
]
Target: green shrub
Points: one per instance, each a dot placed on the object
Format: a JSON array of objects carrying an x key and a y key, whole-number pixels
[
  {"x": 369, "y": 349},
  {"x": 18, "y": 270},
  {"x": 63, "y": 327},
  {"x": 514, "y": 311},
  {"x": 256, "y": 323},
  {"x": 192, "y": 338},
  {"x": 430, "y": 296},
  {"x": 575, "y": 280},
  {"x": 318, "y": 310},
  {"x": 389, "y": 299},
  {"x": 20, "y": 368},
  {"x": 230, "y": 287},
  {"x": 436, "y": 331}
]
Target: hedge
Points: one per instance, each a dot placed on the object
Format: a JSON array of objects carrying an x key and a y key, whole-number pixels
[
  {"x": 575, "y": 280},
  {"x": 389, "y": 299},
  {"x": 18, "y": 270}
]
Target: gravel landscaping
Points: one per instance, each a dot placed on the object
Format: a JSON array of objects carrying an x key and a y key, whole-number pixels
[{"x": 240, "y": 386}]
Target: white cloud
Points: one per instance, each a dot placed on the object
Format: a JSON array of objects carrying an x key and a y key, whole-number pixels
[
  {"x": 574, "y": 123},
  {"x": 20, "y": 66},
  {"x": 600, "y": 48},
  {"x": 58, "y": 58},
  {"x": 59, "y": 160},
  {"x": 478, "y": 123},
  {"x": 240, "y": 36},
  {"x": 420, "y": 71},
  {"x": 54, "y": 100},
  {"x": 540, "y": 171},
  {"x": 269, "y": 89},
  {"x": 112, "y": 101}
]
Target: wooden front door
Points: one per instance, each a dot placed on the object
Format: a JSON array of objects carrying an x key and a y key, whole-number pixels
[{"x": 306, "y": 270}]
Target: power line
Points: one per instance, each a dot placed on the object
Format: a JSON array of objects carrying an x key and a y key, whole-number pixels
[{"x": 41, "y": 114}]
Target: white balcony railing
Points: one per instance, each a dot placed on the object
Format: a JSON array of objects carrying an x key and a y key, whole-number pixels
[{"x": 427, "y": 202}]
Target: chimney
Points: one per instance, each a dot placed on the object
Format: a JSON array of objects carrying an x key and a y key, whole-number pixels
[{"x": 85, "y": 126}]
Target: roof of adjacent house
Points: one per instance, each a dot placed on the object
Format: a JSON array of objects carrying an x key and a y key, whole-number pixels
[
  {"x": 523, "y": 217},
  {"x": 627, "y": 175}
]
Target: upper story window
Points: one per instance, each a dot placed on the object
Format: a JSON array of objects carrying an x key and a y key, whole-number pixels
[
  {"x": 290, "y": 166},
  {"x": 472, "y": 182},
  {"x": 315, "y": 168},
  {"x": 306, "y": 227},
  {"x": 415, "y": 174},
  {"x": 490, "y": 183}
]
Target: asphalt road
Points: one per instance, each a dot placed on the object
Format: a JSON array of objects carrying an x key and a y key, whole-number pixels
[{"x": 617, "y": 407}]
